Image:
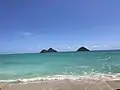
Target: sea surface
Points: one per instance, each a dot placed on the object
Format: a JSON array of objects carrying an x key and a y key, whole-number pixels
[{"x": 94, "y": 64}]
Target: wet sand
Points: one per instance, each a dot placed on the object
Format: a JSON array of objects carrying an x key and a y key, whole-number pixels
[{"x": 66, "y": 84}]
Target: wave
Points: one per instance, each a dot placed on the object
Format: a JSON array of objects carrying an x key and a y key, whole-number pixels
[{"x": 98, "y": 76}]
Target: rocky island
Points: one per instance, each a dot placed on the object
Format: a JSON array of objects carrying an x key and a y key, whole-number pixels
[
  {"x": 53, "y": 50},
  {"x": 43, "y": 51},
  {"x": 82, "y": 49},
  {"x": 49, "y": 50}
]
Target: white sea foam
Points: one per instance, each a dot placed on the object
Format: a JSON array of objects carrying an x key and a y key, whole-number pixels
[{"x": 98, "y": 76}]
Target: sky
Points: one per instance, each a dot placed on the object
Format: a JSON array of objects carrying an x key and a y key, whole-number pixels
[{"x": 32, "y": 25}]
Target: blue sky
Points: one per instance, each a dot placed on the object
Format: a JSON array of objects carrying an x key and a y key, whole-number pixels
[{"x": 31, "y": 25}]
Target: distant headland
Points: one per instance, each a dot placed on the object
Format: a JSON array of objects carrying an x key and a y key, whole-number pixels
[{"x": 53, "y": 50}]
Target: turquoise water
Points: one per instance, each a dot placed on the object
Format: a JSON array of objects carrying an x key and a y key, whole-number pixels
[{"x": 23, "y": 66}]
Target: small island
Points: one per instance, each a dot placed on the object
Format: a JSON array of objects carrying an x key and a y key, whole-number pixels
[
  {"x": 43, "y": 51},
  {"x": 49, "y": 50},
  {"x": 82, "y": 49}
]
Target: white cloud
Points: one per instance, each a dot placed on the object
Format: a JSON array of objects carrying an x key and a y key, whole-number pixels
[
  {"x": 105, "y": 46},
  {"x": 69, "y": 47},
  {"x": 95, "y": 46},
  {"x": 85, "y": 44},
  {"x": 27, "y": 33},
  {"x": 99, "y": 47}
]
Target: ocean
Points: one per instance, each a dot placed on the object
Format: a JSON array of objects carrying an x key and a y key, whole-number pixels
[{"x": 73, "y": 65}]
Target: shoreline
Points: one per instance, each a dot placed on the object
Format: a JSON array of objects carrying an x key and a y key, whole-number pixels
[
  {"x": 101, "y": 77},
  {"x": 66, "y": 84}
]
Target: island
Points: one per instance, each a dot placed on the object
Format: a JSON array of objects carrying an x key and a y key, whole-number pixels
[
  {"x": 82, "y": 49},
  {"x": 43, "y": 51},
  {"x": 49, "y": 50}
]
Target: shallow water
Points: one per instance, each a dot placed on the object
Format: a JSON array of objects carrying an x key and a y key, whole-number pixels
[{"x": 75, "y": 64}]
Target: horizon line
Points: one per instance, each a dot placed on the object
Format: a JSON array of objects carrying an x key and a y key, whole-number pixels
[{"x": 59, "y": 51}]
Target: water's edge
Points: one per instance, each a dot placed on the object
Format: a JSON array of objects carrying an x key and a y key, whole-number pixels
[{"x": 101, "y": 77}]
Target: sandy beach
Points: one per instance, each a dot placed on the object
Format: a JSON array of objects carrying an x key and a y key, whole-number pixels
[{"x": 66, "y": 84}]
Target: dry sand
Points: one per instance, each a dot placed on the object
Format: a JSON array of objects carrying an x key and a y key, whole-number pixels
[{"x": 64, "y": 85}]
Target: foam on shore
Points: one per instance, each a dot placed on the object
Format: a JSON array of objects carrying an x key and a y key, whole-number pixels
[{"x": 102, "y": 77}]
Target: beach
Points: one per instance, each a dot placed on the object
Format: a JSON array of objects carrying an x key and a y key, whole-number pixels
[{"x": 65, "y": 84}]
